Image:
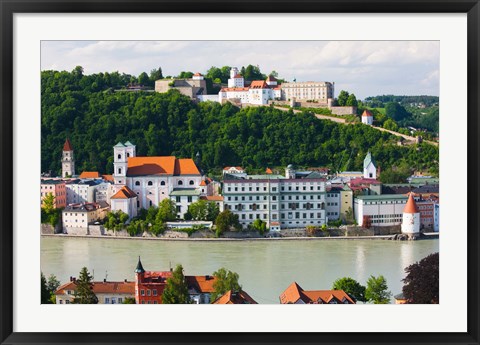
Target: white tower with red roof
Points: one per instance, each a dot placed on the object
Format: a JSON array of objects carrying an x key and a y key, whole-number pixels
[
  {"x": 411, "y": 217},
  {"x": 236, "y": 80},
  {"x": 367, "y": 117},
  {"x": 68, "y": 161}
]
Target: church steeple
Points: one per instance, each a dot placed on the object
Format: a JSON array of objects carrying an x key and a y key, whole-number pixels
[
  {"x": 68, "y": 161},
  {"x": 139, "y": 268}
]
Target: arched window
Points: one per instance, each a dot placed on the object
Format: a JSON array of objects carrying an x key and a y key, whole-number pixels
[
  {"x": 191, "y": 183},
  {"x": 162, "y": 183},
  {"x": 119, "y": 170},
  {"x": 119, "y": 156},
  {"x": 128, "y": 154},
  {"x": 180, "y": 183},
  {"x": 150, "y": 183},
  {"x": 137, "y": 183}
]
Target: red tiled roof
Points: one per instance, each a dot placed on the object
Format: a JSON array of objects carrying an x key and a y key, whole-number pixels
[
  {"x": 108, "y": 177},
  {"x": 124, "y": 193},
  {"x": 186, "y": 166},
  {"x": 268, "y": 171},
  {"x": 230, "y": 297},
  {"x": 67, "y": 146},
  {"x": 238, "y": 168},
  {"x": 294, "y": 293},
  {"x": 202, "y": 284},
  {"x": 237, "y": 76},
  {"x": 165, "y": 165},
  {"x": 198, "y": 74},
  {"x": 203, "y": 183},
  {"x": 410, "y": 206},
  {"x": 271, "y": 78},
  {"x": 367, "y": 112},
  {"x": 235, "y": 89},
  {"x": 259, "y": 84},
  {"x": 101, "y": 287},
  {"x": 89, "y": 174}
]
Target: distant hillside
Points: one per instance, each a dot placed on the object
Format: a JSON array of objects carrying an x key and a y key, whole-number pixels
[{"x": 95, "y": 118}]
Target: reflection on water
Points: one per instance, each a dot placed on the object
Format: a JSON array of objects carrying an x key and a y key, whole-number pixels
[{"x": 266, "y": 268}]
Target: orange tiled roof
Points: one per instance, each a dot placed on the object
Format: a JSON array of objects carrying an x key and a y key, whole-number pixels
[
  {"x": 238, "y": 76},
  {"x": 198, "y": 74},
  {"x": 108, "y": 177},
  {"x": 163, "y": 165},
  {"x": 212, "y": 198},
  {"x": 367, "y": 112},
  {"x": 67, "y": 146},
  {"x": 89, "y": 174},
  {"x": 294, "y": 293},
  {"x": 102, "y": 287},
  {"x": 269, "y": 171},
  {"x": 228, "y": 168},
  {"x": 259, "y": 84},
  {"x": 203, "y": 183},
  {"x": 410, "y": 206},
  {"x": 124, "y": 193},
  {"x": 201, "y": 284},
  {"x": 237, "y": 89},
  {"x": 186, "y": 166},
  {"x": 230, "y": 297}
]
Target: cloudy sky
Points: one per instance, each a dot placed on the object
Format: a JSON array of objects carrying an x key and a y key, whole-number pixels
[{"x": 366, "y": 68}]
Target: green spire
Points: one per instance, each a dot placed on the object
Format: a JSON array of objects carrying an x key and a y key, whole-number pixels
[
  {"x": 368, "y": 159},
  {"x": 139, "y": 268}
]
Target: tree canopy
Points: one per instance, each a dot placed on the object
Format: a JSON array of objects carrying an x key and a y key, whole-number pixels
[
  {"x": 176, "y": 289},
  {"x": 84, "y": 293},
  {"x": 351, "y": 287},
  {"x": 422, "y": 281},
  {"x": 377, "y": 290},
  {"x": 225, "y": 280}
]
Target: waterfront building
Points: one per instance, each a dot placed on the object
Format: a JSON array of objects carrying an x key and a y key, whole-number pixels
[
  {"x": 294, "y": 294},
  {"x": 68, "y": 160},
  {"x": 200, "y": 288},
  {"x": 319, "y": 91},
  {"x": 426, "y": 208},
  {"x": 293, "y": 201},
  {"x": 217, "y": 199},
  {"x": 153, "y": 179},
  {"x": 80, "y": 191},
  {"x": 125, "y": 200},
  {"x": 346, "y": 202},
  {"x": 411, "y": 217},
  {"x": 367, "y": 117},
  {"x": 104, "y": 191},
  {"x": 55, "y": 187},
  {"x": 379, "y": 210},
  {"x": 333, "y": 202},
  {"x": 231, "y": 297},
  {"x": 107, "y": 292},
  {"x": 77, "y": 217}
]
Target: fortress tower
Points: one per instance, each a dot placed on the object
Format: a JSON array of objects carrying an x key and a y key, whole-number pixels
[
  {"x": 411, "y": 217},
  {"x": 68, "y": 161}
]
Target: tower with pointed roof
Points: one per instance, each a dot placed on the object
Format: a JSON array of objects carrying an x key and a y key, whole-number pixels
[
  {"x": 121, "y": 153},
  {"x": 68, "y": 160},
  {"x": 367, "y": 117},
  {"x": 411, "y": 217},
  {"x": 369, "y": 167},
  {"x": 139, "y": 274}
]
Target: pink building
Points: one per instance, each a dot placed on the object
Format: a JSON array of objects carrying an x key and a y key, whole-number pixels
[
  {"x": 55, "y": 187},
  {"x": 426, "y": 208}
]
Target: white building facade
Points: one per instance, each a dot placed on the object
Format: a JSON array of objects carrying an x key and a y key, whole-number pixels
[
  {"x": 289, "y": 203},
  {"x": 309, "y": 90},
  {"x": 379, "y": 210}
]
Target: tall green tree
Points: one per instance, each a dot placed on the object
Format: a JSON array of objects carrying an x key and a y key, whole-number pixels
[
  {"x": 45, "y": 293},
  {"x": 396, "y": 111},
  {"x": 421, "y": 284},
  {"x": 377, "y": 290},
  {"x": 351, "y": 287},
  {"x": 342, "y": 98},
  {"x": 156, "y": 74},
  {"x": 176, "y": 289},
  {"x": 84, "y": 293},
  {"x": 166, "y": 211},
  {"x": 225, "y": 221},
  {"x": 351, "y": 100},
  {"x": 225, "y": 280}
]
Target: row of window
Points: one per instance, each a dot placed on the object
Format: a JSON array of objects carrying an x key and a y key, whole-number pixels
[
  {"x": 385, "y": 202},
  {"x": 149, "y": 292},
  {"x": 381, "y": 216},
  {"x": 289, "y": 215},
  {"x": 274, "y": 189},
  {"x": 292, "y": 206},
  {"x": 273, "y": 197},
  {"x": 163, "y": 183}
]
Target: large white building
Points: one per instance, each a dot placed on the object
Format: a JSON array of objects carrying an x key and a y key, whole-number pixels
[
  {"x": 290, "y": 202},
  {"x": 77, "y": 217},
  {"x": 319, "y": 91},
  {"x": 153, "y": 179},
  {"x": 379, "y": 210},
  {"x": 80, "y": 191}
]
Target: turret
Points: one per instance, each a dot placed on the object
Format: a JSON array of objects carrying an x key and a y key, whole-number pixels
[
  {"x": 369, "y": 167},
  {"x": 411, "y": 217},
  {"x": 290, "y": 172},
  {"x": 68, "y": 161}
]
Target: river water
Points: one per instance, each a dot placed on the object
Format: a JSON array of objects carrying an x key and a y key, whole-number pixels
[{"x": 266, "y": 268}]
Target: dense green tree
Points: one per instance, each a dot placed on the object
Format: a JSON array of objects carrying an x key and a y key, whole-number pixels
[
  {"x": 129, "y": 300},
  {"x": 45, "y": 293},
  {"x": 185, "y": 75},
  {"x": 84, "y": 293},
  {"x": 260, "y": 226},
  {"x": 390, "y": 124},
  {"x": 167, "y": 211},
  {"x": 253, "y": 73},
  {"x": 115, "y": 220},
  {"x": 225, "y": 280},
  {"x": 421, "y": 285},
  {"x": 377, "y": 290},
  {"x": 156, "y": 74},
  {"x": 343, "y": 98},
  {"x": 396, "y": 111},
  {"x": 351, "y": 100},
  {"x": 351, "y": 287},
  {"x": 225, "y": 221},
  {"x": 176, "y": 289},
  {"x": 203, "y": 210},
  {"x": 143, "y": 79}
]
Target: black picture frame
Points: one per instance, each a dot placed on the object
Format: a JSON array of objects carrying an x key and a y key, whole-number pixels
[{"x": 10, "y": 7}]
